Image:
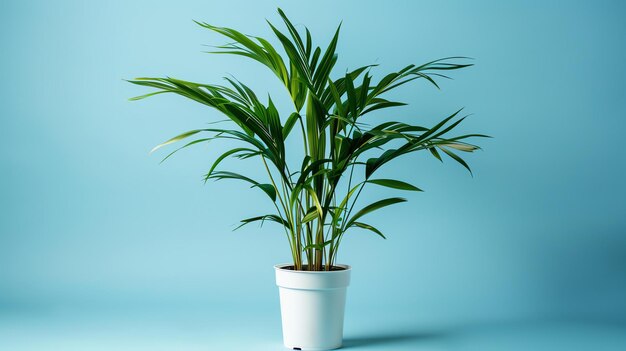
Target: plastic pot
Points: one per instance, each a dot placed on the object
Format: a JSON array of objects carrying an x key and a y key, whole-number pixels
[{"x": 312, "y": 306}]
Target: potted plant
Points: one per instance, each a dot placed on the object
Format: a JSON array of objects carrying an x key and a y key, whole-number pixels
[{"x": 316, "y": 199}]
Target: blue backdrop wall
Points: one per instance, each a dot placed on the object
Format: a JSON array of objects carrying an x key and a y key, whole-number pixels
[{"x": 89, "y": 219}]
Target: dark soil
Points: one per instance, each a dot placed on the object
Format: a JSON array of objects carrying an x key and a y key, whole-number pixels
[{"x": 305, "y": 268}]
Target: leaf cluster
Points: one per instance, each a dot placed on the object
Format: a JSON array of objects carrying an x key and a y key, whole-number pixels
[{"x": 315, "y": 204}]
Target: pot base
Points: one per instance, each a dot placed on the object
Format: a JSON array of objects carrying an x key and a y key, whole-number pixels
[{"x": 313, "y": 349}]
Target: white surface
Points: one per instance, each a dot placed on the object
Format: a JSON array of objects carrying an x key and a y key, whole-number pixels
[{"x": 237, "y": 327}]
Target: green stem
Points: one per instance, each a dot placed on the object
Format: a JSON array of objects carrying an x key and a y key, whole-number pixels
[{"x": 294, "y": 250}]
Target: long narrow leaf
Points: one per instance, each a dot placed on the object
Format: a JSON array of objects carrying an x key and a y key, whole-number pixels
[
  {"x": 395, "y": 184},
  {"x": 373, "y": 207},
  {"x": 369, "y": 227}
]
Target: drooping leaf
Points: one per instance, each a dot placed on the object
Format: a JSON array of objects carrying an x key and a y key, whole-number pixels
[
  {"x": 456, "y": 158},
  {"x": 373, "y": 207},
  {"x": 268, "y": 189},
  {"x": 269, "y": 217},
  {"x": 222, "y": 157},
  {"x": 383, "y": 105},
  {"x": 197, "y": 141},
  {"x": 369, "y": 227},
  {"x": 395, "y": 184},
  {"x": 435, "y": 153},
  {"x": 176, "y": 138}
]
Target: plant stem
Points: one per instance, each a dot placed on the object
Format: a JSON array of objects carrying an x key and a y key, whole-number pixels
[{"x": 294, "y": 250}]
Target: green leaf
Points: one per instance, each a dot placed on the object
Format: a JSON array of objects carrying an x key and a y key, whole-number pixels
[
  {"x": 373, "y": 207},
  {"x": 291, "y": 121},
  {"x": 317, "y": 246},
  {"x": 395, "y": 184},
  {"x": 268, "y": 189},
  {"x": 231, "y": 175},
  {"x": 269, "y": 217},
  {"x": 294, "y": 57},
  {"x": 336, "y": 98},
  {"x": 434, "y": 129},
  {"x": 187, "y": 145},
  {"x": 334, "y": 136},
  {"x": 140, "y": 97},
  {"x": 264, "y": 53},
  {"x": 176, "y": 138},
  {"x": 326, "y": 64},
  {"x": 222, "y": 157},
  {"x": 462, "y": 146},
  {"x": 312, "y": 214},
  {"x": 352, "y": 98},
  {"x": 368, "y": 227},
  {"x": 435, "y": 153},
  {"x": 382, "y": 105},
  {"x": 456, "y": 158},
  {"x": 294, "y": 35}
]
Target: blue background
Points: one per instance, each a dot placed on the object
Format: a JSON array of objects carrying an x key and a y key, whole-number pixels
[{"x": 102, "y": 247}]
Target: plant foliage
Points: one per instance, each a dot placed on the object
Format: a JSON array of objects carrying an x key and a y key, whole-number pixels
[{"x": 316, "y": 203}]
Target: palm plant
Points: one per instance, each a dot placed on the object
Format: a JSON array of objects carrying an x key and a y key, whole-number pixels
[{"x": 316, "y": 198}]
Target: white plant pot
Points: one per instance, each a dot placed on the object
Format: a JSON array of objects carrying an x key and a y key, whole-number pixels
[{"x": 312, "y": 306}]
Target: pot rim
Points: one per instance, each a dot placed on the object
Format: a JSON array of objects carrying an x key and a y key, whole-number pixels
[{"x": 280, "y": 267}]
